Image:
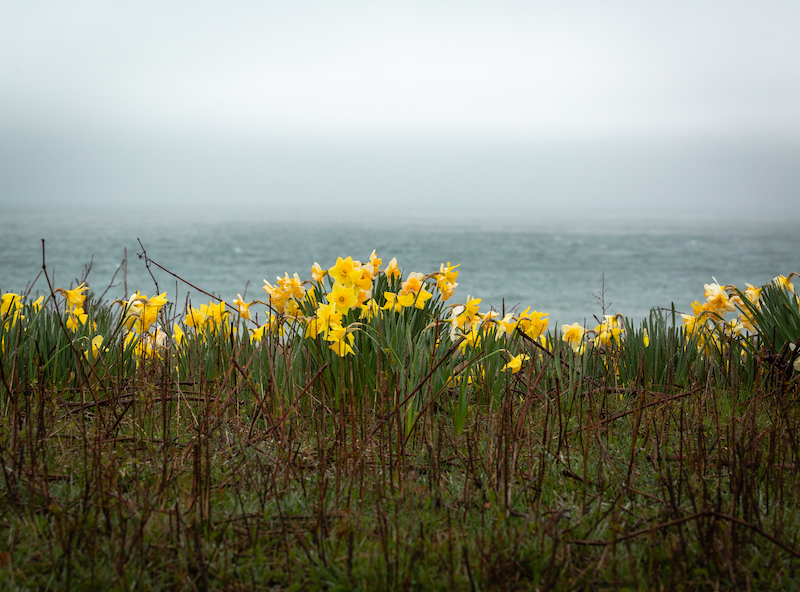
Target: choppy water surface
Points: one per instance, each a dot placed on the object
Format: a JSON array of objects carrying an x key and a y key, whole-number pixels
[{"x": 553, "y": 266}]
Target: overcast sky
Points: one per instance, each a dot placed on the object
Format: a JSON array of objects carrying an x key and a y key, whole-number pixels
[
  {"x": 259, "y": 71},
  {"x": 520, "y": 68}
]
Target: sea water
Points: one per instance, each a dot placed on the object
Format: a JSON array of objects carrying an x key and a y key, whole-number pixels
[{"x": 572, "y": 268}]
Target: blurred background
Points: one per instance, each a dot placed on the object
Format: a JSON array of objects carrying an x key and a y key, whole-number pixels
[{"x": 547, "y": 147}]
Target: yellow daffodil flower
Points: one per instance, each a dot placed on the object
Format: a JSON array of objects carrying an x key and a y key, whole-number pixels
[
  {"x": 243, "y": 307},
  {"x": 9, "y": 303},
  {"x": 533, "y": 324},
  {"x": 785, "y": 282},
  {"x": 645, "y": 338},
  {"x": 317, "y": 273},
  {"x": 75, "y": 297},
  {"x": 392, "y": 271},
  {"x": 77, "y": 318},
  {"x": 573, "y": 335},
  {"x": 515, "y": 363},
  {"x": 342, "y": 297},
  {"x": 94, "y": 348},
  {"x": 345, "y": 271},
  {"x": 341, "y": 341},
  {"x": 177, "y": 335},
  {"x": 374, "y": 264}
]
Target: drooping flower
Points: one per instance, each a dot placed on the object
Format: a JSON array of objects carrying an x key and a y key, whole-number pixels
[
  {"x": 243, "y": 307},
  {"x": 341, "y": 341},
  {"x": 515, "y": 363},
  {"x": 77, "y": 318},
  {"x": 9, "y": 304},
  {"x": 177, "y": 335},
  {"x": 94, "y": 347},
  {"x": 785, "y": 282},
  {"x": 472, "y": 338}
]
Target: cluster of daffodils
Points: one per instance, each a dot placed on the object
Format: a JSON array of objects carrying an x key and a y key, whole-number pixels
[
  {"x": 11, "y": 311},
  {"x": 140, "y": 318},
  {"x": 338, "y": 301},
  {"x": 708, "y": 321}
]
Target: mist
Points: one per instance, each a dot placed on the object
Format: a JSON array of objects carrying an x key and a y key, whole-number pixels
[{"x": 483, "y": 178}]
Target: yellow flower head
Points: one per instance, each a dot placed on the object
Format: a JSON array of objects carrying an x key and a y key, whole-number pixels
[
  {"x": 9, "y": 304},
  {"x": 317, "y": 273},
  {"x": 374, "y": 264},
  {"x": 533, "y": 324},
  {"x": 341, "y": 341},
  {"x": 77, "y": 318},
  {"x": 573, "y": 335},
  {"x": 243, "y": 307},
  {"x": 785, "y": 282},
  {"x": 177, "y": 335},
  {"x": 413, "y": 283},
  {"x": 392, "y": 271},
  {"x": 343, "y": 297},
  {"x": 515, "y": 363},
  {"x": 717, "y": 298},
  {"x": 75, "y": 297},
  {"x": 345, "y": 271},
  {"x": 94, "y": 347}
]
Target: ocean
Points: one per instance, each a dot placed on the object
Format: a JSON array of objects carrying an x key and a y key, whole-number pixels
[{"x": 570, "y": 267}]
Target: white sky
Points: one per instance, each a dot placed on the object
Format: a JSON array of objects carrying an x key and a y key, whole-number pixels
[{"x": 525, "y": 69}]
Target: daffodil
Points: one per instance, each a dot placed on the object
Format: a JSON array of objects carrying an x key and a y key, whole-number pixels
[
  {"x": 608, "y": 332},
  {"x": 370, "y": 309},
  {"x": 396, "y": 302},
  {"x": 533, "y": 324},
  {"x": 94, "y": 348},
  {"x": 645, "y": 338},
  {"x": 374, "y": 264},
  {"x": 75, "y": 297},
  {"x": 413, "y": 283},
  {"x": 317, "y": 273},
  {"x": 472, "y": 338},
  {"x": 753, "y": 294},
  {"x": 345, "y": 271},
  {"x": 785, "y": 282},
  {"x": 341, "y": 341},
  {"x": 342, "y": 297},
  {"x": 243, "y": 307},
  {"x": 177, "y": 335},
  {"x": 392, "y": 271},
  {"x": 515, "y": 363},
  {"x": 573, "y": 335},
  {"x": 9, "y": 303},
  {"x": 292, "y": 287},
  {"x": 326, "y": 316},
  {"x": 77, "y": 318},
  {"x": 717, "y": 298}
]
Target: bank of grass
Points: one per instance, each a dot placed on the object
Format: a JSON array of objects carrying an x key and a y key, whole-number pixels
[{"x": 228, "y": 463}]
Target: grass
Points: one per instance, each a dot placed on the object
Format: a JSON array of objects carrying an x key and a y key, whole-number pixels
[{"x": 274, "y": 463}]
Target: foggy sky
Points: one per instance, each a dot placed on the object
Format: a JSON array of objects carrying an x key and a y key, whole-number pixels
[{"x": 696, "y": 101}]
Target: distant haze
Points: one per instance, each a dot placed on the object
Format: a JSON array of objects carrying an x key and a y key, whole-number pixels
[{"x": 447, "y": 108}]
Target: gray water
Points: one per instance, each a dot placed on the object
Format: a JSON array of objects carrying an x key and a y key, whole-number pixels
[{"x": 555, "y": 266}]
